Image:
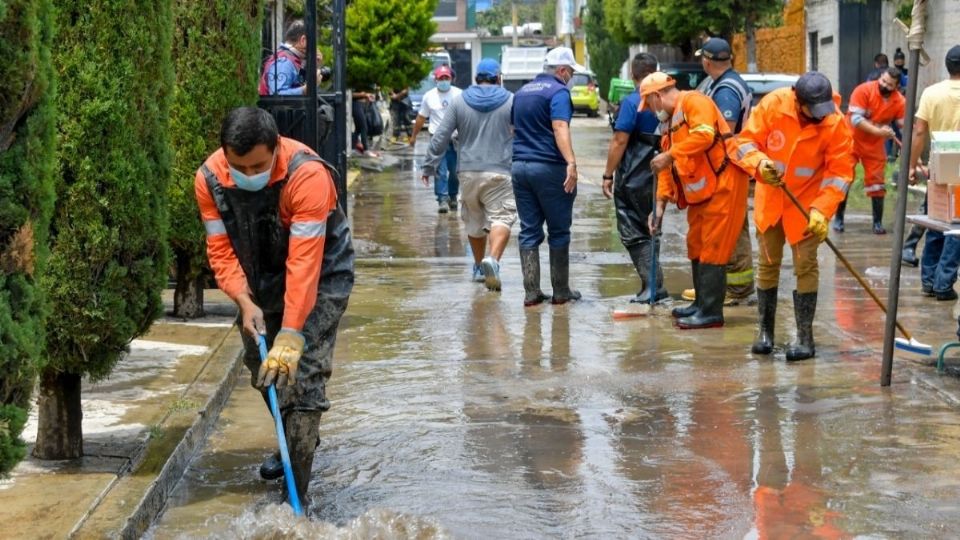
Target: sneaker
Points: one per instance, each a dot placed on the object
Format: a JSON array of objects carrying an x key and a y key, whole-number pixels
[
  {"x": 478, "y": 276},
  {"x": 491, "y": 273},
  {"x": 927, "y": 290},
  {"x": 443, "y": 206},
  {"x": 689, "y": 295},
  {"x": 946, "y": 296},
  {"x": 878, "y": 229}
]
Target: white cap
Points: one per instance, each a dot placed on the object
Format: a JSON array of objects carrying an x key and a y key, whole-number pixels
[{"x": 563, "y": 56}]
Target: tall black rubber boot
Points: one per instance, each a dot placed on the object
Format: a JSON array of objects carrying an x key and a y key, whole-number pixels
[
  {"x": 767, "y": 318},
  {"x": 695, "y": 305},
  {"x": 712, "y": 288},
  {"x": 560, "y": 276},
  {"x": 804, "y": 307},
  {"x": 877, "y": 207},
  {"x": 303, "y": 437},
  {"x": 530, "y": 266},
  {"x": 272, "y": 467},
  {"x": 641, "y": 257},
  {"x": 838, "y": 217}
]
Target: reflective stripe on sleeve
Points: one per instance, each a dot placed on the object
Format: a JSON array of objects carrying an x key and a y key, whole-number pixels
[
  {"x": 745, "y": 149},
  {"x": 835, "y": 181},
  {"x": 857, "y": 110},
  {"x": 308, "y": 229},
  {"x": 703, "y": 128},
  {"x": 214, "y": 227},
  {"x": 803, "y": 172},
  {"x": 857, "y": 118}
]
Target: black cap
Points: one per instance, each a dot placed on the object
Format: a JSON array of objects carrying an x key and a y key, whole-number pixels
[
  {"x": 898, "y": 55},
  {"x": 953, "y": 55},
  {"x": 715, "y": 49},
  {"x": 813, "y": 90}
]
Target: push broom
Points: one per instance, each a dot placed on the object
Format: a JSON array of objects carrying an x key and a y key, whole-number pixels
[
  {"x": 281, "y": 438},
  {"x": 907, "y": 343},
  {"x": 642, "y": 310}
]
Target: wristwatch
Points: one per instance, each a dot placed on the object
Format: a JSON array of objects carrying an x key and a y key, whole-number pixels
[{"x": 608, "y": 177}]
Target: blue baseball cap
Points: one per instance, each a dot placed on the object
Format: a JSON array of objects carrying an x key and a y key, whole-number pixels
[{"x": 488, "y": 67}]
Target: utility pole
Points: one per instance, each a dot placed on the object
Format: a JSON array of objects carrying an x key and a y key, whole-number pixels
[{"x": 513, "y": 21}]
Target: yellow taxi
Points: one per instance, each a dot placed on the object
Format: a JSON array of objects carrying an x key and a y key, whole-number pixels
[{"x": 585, "y": 94}]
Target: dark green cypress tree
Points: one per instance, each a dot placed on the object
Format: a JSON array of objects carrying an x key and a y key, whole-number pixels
[
  {"x": 216, "y": 54},
  {"x": 108, "y": 259},
  {"x": 27, "y": 150}
]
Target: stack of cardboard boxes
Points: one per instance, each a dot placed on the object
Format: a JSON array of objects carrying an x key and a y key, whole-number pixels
[{"x": 943, "y": 189}]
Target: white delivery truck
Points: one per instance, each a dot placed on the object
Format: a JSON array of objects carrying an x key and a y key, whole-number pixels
[{"x": 519, "y": 65}]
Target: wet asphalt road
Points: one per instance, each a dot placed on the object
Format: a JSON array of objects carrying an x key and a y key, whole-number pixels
[{"x": 459, "y": 413}]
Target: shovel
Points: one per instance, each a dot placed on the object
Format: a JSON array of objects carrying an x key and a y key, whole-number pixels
[
  {"x": 907, "y": 343},
  {"x": 281, "y": 438}
]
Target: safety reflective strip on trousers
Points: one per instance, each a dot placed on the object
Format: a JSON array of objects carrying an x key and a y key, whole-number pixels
[
  {"x": 873, "y": 188},
  {"x": 835, "y": 181},
  {"x": 744, "y": 277},
  {"x": 214, "y": 227}
]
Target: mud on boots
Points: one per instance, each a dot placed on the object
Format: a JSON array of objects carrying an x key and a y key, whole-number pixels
[
  {"x": 303, "y": 436},
  {"x": 560, "y": 276},
  {"x": 530, "y": 266},
  {"x": 712, "y": 282},
  {"x": 697, "y": 171},
  {"x": 767, "y": 306},
  {"x": 642, "y": 258}
]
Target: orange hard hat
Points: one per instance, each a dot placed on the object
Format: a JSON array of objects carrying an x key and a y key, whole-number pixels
[{"x": 654, "y": 82}]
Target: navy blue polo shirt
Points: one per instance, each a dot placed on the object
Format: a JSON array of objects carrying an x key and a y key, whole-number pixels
[
  {"x": 630, "y": 121},
  {"x": 535, "y": 107}
]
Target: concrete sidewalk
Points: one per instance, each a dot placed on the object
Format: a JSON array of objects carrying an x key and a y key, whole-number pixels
[{"x": 141, "y": 426}]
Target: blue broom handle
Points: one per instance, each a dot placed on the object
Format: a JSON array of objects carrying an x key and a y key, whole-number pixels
[
  {"x": 653, "y": 247},
  {"x": 281, "y": 438}
]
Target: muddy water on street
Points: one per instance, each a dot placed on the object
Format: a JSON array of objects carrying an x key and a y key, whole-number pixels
[{"x": 458, "y": 413}]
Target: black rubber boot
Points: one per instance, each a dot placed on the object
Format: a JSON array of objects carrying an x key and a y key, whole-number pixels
[
  {"x": 877, "y": 206},
  {"x": 272, "y": 467},
  {"x": 712, "y": 289},
  {"x": 767, "y": 318},
  {"x": 303, "y": 430},
  {"x": 909, "y": 253},
  {"x": 695, "y": 305},
  {"x": 838, "y": 217},
  {"x": 530, "y": 265},
  {"x": 805, "y": 307},
  {"x": 560, "y": 276},
  {"x": 641, "y": 257}
]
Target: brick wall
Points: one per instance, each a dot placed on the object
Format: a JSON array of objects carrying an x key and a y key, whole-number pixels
[{"x": 779, "y": 50}]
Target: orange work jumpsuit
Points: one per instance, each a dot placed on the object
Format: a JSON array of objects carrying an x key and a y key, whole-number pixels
[
  {"x": 866, "y": 102},
  {"x": 816, "y": 161},
  {"x": 704, "y": 178}
]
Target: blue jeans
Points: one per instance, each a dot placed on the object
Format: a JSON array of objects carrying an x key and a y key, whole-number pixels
[
  {"x": 940, "y": 261},
  {"x": 538, "y": 190},
  {"x": 446, "y": 184}
]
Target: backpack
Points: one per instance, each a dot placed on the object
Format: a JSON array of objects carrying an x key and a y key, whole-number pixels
[{"x": 374, "y": 120}]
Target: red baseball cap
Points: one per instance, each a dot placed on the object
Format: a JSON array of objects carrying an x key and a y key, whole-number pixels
[{"x": 443, "y": 71}]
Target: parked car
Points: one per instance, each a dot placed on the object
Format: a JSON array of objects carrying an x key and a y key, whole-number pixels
[
  {"x": 689, "y": 75},
  {"x": 585, "y": 93}
]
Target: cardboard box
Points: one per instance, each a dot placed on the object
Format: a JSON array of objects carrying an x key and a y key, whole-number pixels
[
  {"x": 943, "y": 202},
  {"x": 945, "y": 157}
]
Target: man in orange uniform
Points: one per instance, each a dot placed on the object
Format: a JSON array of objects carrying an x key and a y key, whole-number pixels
[
  {"x": 874, "y": 105},
  {"x": 695, "y": 171},
  {"x": 796, "y": 137},
  {"x": 280, "y": 247}
]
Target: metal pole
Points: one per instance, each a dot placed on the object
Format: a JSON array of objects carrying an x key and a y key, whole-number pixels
[
  {"x": 340, "y": 89},
  {"x": 915, "y": 42},
  {"x": 311, "y": 132}
]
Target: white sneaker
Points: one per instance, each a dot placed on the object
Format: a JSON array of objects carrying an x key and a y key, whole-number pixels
[
  {"x": 478, "y": 273},
  {"x": 491, "y": 273}
]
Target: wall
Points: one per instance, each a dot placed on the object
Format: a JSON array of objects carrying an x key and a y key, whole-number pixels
[
  {"x": 779, "y": 50},
  {"x": 445, "y": 25},
  {"x": 823, "y": 17},
  {"x": 942, "y": 33}
]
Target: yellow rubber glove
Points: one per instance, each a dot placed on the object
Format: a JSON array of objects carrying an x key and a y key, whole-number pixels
[
  {"x": 769, "y": 174},
  {"x": 817, "y": 226},
  {"x": 282, "y": 360}
]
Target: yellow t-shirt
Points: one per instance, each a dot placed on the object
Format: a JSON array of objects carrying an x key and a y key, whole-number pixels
[{"x": 940, "y": 106}]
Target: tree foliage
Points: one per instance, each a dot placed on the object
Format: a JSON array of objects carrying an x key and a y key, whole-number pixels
[
  {"x": 607, "y": 54},
  {"x": 501, "y": 14},
  {"x": 216, "y": 55},
  {"x": 27, "y": 150},
  {"x": 385, "y": 41},
  {"x": 109, "y": 236}
]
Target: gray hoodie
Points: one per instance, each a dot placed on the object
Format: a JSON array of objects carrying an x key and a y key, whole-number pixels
[{"x": 480, "y": 117}]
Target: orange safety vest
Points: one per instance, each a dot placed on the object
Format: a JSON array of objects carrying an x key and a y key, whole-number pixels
[
  {"x": 816, "y": 160},
  {"x": 695, "y": 137}
]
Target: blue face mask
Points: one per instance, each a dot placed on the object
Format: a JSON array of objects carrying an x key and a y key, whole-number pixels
[
  {"x": 253, "y": 182},
  {"x": 443, "y": 86}
]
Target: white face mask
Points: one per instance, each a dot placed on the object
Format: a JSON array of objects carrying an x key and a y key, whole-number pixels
[
  {"x": 662, "y": 115},
  {"x": 253, "y": 182}
]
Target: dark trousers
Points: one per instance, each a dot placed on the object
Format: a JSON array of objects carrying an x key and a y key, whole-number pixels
[
  {"x": 359, "y": 124},
  {"x": 538, "y": 189}
]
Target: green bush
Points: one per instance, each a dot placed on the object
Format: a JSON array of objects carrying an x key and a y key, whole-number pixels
[
  {"x": 108, "y": 259},
  {"x": 216, "y": 55},
  {"x": 27, "y": 150},
  {"x": 385, "y": 41}
]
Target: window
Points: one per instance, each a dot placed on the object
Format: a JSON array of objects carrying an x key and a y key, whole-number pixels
[
  {"x": 446, "y": 9},
  {"x": 814, "y": 49}
]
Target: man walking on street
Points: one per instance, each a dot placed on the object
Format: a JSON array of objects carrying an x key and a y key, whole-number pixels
[
  {"x": 939, "y": 110},
  {"x": 481, "y": 118},
  {"x": 696, "y": 172},
  {"x": 796, "y": 138},
  {"x": 280, "y": 247},
  {"x": 874, "y": 105},
  {"x": 733, "y": 97},
  {"x": 629, "y": 180},
  {"x": 545, "y": 174},
  {"x": 432, "y": 108}
]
